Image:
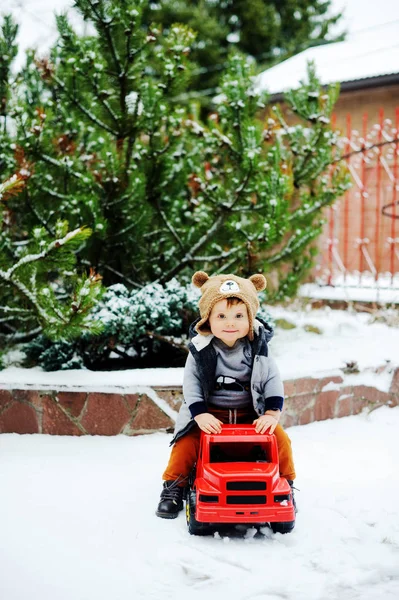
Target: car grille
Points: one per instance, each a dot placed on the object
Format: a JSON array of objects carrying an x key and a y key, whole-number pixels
[
  {"x": 246, "y": 485},
  {"x": 245, "y": 499}
]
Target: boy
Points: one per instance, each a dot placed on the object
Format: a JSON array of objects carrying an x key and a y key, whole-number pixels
[{"x": 229, "y": 377}]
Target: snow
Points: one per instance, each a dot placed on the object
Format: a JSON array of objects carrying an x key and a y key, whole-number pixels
[
  {"x": 370, "y": 53},
  {"x": 77, "y": 522},
  {"x": 355, "y": 287},
  {"x": 346, "y": 336}
]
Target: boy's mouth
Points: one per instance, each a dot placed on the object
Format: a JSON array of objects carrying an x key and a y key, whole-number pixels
[{"x": 228, "y": 331}]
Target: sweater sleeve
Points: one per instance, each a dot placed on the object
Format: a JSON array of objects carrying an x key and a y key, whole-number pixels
[
  {"x": 192, "y": 388},
  {"x": 274, "y": 388}
]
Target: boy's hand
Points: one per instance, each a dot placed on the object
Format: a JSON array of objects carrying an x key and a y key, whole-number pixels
[
  {"x": 208, "y": 423},
  {"x": 264, "y": 423}
]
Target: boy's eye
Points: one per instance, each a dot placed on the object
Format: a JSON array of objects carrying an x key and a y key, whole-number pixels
[{"x": 239, "y": 315}]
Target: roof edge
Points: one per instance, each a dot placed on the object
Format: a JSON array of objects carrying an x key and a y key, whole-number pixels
[{"x": 353, "y": 85}]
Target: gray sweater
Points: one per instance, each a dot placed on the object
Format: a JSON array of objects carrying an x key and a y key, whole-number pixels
[{"x": 231, "y": 387}]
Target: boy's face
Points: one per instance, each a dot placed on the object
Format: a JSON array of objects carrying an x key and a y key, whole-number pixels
[{"x": 229, "y": 323}]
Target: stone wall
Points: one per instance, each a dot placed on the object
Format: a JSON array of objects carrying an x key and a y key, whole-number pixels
[{"x": 98, "y": 413}]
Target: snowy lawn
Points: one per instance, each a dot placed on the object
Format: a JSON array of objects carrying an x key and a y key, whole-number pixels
[
  {"x": 344, "y": 336},
  {"x": 77, "y": 522}
]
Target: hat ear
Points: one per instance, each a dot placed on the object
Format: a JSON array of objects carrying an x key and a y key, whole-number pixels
[
  {"x": 199, "y": 278},
  {"x": 259, "y": 282}
]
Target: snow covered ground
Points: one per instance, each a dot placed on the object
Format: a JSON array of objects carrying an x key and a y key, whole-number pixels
[
  {"x": 77, "y": 522},
  {"x": 345, "y": 336}
]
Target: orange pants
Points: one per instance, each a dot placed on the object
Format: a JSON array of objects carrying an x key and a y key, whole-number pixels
[{"x": 185, "y": 450}]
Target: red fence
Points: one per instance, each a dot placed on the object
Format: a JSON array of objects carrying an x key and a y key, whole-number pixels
[{"x": 360, "y": 244}]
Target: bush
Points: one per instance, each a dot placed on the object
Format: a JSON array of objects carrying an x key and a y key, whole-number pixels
[{"x": 142, "y": 328}]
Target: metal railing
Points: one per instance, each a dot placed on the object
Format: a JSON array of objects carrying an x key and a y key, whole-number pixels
[{"x": 360, "y": 243}]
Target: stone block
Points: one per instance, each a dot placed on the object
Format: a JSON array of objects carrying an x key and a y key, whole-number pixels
[
  {"x": 131, "y": 401},
  {"x": 358, "y": 404},
  {"x": 5, "y": 398},
  {"x": 104, "y": 414},
  {"x": 306, "y": 416},
  {"x": 19, "y": 418},
  {"x": 55, "y": 421},
  {"x": 325, "y": 406},
  {"x": 394, "y": 389},
  {"x": 30, "y": 396},
  {"x": 371, "y": 394},
  {"x": 73, "y": 402},
  {"x": 173, "y": 396},
  {"x": 344, "y": 406},
  {"x": 149, "y": 417},
  {"x": 289, "y": 388},
  {"x": 324, "y": 381},
  {"x": 305, "y": 385},
  {"x": 393, "y": 400},
  {"x": 297, "y": 404}
]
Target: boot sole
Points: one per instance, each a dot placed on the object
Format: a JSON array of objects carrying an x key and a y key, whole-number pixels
[{"x": 166, "y": 515}]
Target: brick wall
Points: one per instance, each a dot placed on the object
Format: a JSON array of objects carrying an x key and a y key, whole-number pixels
[
  {"x": 358, "y": 215},
  {"x": 367, "y": 101},
  {"x": 96, "y": 413}
]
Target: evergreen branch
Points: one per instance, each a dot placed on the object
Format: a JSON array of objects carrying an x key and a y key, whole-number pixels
[
  {"x": 364, "y": 148},
  {"x": 292, "y": 247},
  {"x": 169, "y": 226},
  {"x": 112, "y": 270},
  {"x": 211, "y": 231},
  {"x": 305, "y": 158},
  {"x": 38, "y": 216},
  {"x": 189, "y": 255},
  {"x": 168, "y": 340},
  {"x": 57, "y": 163},
  {"x": 105, "y": 104},
  {"x": 227, "y": 266},
  {"x": 129, "y": 151},
  {"x": 21, "y": 337},
  {"x": 164, "y": 149},
  {"x": 238, "y": 114},
  {"x": 216, "y": 257},
  {"x": 116, "y": 202},
  {"x": 126, "y": 229},
  {"x": 15, "y": 310},
  {"x": 227, "y": 142},
  {"x": 30, "y": 296},
  {"x": 30, "y": 258},
  {"x": 53, "y": 193},
  {"x": 130, "y": 55},
  {"x": 83, "y": 109},
  {"x": 206, "y": 237},
  {"x": 106, "y": 27},
  {"x": 301, "y": 213},
  {"x": 18, "y": 318},
  {"x": 242, "y": 186}
]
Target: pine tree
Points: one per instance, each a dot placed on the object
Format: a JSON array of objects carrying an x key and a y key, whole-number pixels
[
  {"x": 267, "y": 30},
  {"x": 96, "y": 135}
]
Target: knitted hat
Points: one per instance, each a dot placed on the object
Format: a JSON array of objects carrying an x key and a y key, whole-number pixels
[{"x": 221, "y": 287}]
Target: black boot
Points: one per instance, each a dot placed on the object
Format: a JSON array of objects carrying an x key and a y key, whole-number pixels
[
  {"x": 171, "y": 502},
  {"x": 290, "y": 481}
]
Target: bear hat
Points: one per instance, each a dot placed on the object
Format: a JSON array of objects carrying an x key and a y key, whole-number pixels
[{"x": 221, "y": 287}]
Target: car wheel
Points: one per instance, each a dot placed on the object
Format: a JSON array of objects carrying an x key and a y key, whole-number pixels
[
  {"x": 194, "y": 526},
  {"x": 283, "y": 527}
]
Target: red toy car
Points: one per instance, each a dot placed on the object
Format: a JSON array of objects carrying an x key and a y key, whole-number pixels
[{"x": 237, "y": 480}]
